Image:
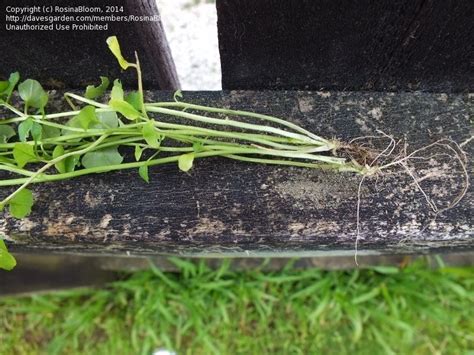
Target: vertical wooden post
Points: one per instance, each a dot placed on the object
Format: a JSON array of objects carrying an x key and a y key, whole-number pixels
[{"x": 153, "y": 38}]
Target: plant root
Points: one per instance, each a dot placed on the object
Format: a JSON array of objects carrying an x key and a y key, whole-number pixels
[{"x": 394, "y": 158}]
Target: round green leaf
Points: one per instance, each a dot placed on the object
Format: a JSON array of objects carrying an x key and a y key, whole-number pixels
[
  {"x": 6, "y": 132},
  {"x": 143, "y": 172},
  {"x": 33, "y": 94},
  {"x": 36, "y": 132},
  {"x": 50, "y": 132},
  {"x": 124, "y": 108},
  {"x": 57, "y": 152},
  {"x": 117, "y": 90},
  {"x": 23, "y": 154},
  {"x": 7, "y": 87},
  {"x": 66, "y": 165},
  {"x": 102, "y": 157},
  {"x": 21, "y": 203},
  {"x": 24, "y": 129},
  {"x": 7, "y": 261},
  {"x": 87, "y": 117},
  {"x": 134, "y": 99},
  {"x": 93, "y": 92},
  {"x": 185, "y": 161},
  {"x": 4, "y": 86},
  {"x": 107, "y": 119},
  {"x": 151, "y": 136},
  {"x": 138, "y": 152}
]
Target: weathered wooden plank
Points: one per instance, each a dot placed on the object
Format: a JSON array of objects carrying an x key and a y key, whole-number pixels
[
  {"x": 77, "y": 57},
  {"x": 340, "y": 45},
  {"x": 224, "y": 207}
]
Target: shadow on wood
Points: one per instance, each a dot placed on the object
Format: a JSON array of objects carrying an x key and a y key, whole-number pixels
[{"x": 339, "y": 45}]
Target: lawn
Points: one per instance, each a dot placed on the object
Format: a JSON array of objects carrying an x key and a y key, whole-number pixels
[{"x": 410, "y": 310}]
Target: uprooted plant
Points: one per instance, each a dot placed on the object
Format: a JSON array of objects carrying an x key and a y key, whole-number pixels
[{"x": 36, "y": 146}]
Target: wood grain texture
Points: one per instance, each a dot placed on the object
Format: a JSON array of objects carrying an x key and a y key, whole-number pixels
[
  {"x": 157, "y": 51},
  {"x": 224, "y": 207},
  {"x": 339, "y": 45},
  {"x": 76, "y": 58}
]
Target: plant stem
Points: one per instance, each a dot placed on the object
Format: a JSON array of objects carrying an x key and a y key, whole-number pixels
[
  {"x": 225, "y": 153},
  {"x": 338, "y": 167},
  {"x": 16, "y": 170},
  {"x": 140, "y": 86},
  {"x": 49, "y": 165},
  {"x": 280, "y": 121},
  {"x": 49, "y": 116},
  {"x": 242, "y": 125},
  {"x": 87, "y": 101},
  {"x": 235, "y": 135}
]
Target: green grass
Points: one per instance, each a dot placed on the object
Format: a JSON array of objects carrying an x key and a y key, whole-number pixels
[{"x": 414, "y": 310}]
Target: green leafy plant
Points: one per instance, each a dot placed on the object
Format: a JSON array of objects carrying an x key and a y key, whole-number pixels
[
  {"x": 87, "y": 139},
  {"x": 7, "y": 261},
  {"x": 37, "y": 147}
]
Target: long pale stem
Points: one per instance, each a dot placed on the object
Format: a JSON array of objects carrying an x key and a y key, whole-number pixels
[
  {"x": 228, "y": 122},
  {"x": 49, "y": 165},
  {"x": 259, "y": 116},
  {"x": 224, "y": 153}
]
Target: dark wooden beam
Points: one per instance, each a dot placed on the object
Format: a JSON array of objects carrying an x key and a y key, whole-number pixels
[
  {"x": 75, "y": 58},
  {"x": 156, "y": 49},
  {"x": 228, "y": 208},
  {"x": 381, "y": 45}
]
